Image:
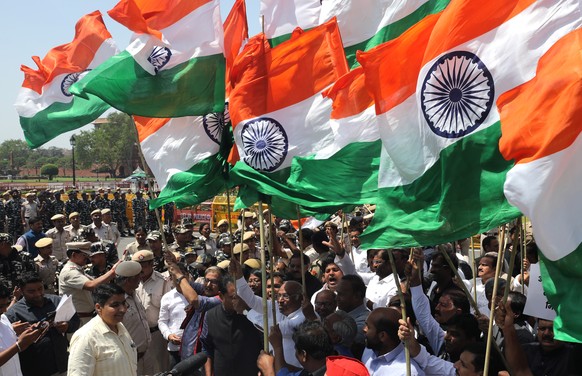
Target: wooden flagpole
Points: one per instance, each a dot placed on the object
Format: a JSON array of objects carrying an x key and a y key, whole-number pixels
[
  {"x": 402, "y": 307},
  {"x": 264, "y": 279},
  {"x": 500, "y": 256},
  {"x": 303, "y": 286}
]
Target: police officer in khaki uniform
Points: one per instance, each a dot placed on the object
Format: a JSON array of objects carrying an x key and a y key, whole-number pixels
[
  {"x": 47, "y": 265},
  {"x": 60, "y": 236},
  {"x": 135, "y": 321},
  {"x": 73, "y": 280},
  {"x": 150, "y": 291}
]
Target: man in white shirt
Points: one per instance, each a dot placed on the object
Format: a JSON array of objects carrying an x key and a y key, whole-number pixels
[
  {"x": 172, "y": 314},
  {"x": 360, "y": 255},
  {"x": 382, "y": 286},
  {"x": 289, "y": 314},
  {"x": 384, "y": 354}
]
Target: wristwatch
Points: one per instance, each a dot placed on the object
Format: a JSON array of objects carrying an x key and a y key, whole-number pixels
[{"x": 179, "y": 280}]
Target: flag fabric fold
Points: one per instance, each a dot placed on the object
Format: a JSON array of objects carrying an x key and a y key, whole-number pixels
[
  {"x": 174, "y": 65},
  {"x": 365, "y": 24},
  {"x": 236, "y": 34},
  {"x": 541, "y": 132},
  {"x": 442, "y": 173},
  {"x": 186, "y": 156},
  {"x": 282, "y": 17},
  {"x": 44, "y": 104},
  {"x": 278, "y": 110}
]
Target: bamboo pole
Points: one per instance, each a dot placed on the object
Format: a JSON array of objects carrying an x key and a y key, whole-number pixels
[
  {"x": 523, "y": 254},
  {"x": 228, "y": 213},
  {"x": 242, "y": 235},
  {"x": 474, "y": 268},
  {"x": 303, "y": 286},
  {"x": 402, "y": 307},
  {"x": 264, "y": 280},
  {"x": 500, "y": 256},
  {"x": 514, "y": 246},
  {"x": 272, "y": 267}
]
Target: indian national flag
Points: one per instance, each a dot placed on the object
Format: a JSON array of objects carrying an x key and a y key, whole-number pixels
[
  {"x": 365, "y": 24},
  {"x": 278, "y": 109},
  {"x": 282, "y": 17},
  {"x": 184, "y": 155},
  {"x": 45, "y": 105},
  {"x": 173, "y": 67},
  {"x": 541, "y": 124},
  {"x": 442, "y": 173},
  {"x": 236, "y": 34},
  {"x": 346, "y": 170}
]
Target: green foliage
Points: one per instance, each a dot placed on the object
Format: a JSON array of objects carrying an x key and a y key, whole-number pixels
[
  {"x": 49, "y": 170},
  {"x": 107, "y": 146}
]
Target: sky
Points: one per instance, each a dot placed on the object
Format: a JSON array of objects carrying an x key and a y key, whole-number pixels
[{"x": 34, "y": 27}]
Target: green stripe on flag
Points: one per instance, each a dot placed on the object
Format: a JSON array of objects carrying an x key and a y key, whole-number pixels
[
  {"x": 59, "y": 118},
  {"x": 284, "y": 199},
  {"x": 350, "y": 176},
  {"x": 191, "y": 187},
  {"x": 460, "y": 195},
  {"x": 195, "y": 87},
  {"x": 394, "y": 29},
  {"x": 562, "y": 281}
]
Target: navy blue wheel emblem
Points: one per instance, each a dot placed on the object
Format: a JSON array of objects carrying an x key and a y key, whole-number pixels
[
  {"x": 159, "y": 57},
  {"x": 70, "y": 79},
  {"x": 265, "y": 144},
  {"x": 215, "y": 122},
  {"x": 457, "y": 94}
]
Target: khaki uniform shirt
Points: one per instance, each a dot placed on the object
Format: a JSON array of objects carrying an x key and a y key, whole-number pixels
[
  {"x": 136, "y": 323},
  {"x": 59, "y": 242},
  {"x": 133, "y": 247},
  {"x": 73, "y": 231},
  {"x": 150, "y": 293},
  {"x": 71, "y": 282},
  {"x": 47, "y": 271},
  {"x": 98, "y": 351}
]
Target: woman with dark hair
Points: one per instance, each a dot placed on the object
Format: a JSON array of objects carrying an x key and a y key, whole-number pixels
[{"x": 104, "y": 346}]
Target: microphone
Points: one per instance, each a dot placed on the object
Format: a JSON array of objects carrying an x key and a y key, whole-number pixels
[{"x": 191, "y": 363}]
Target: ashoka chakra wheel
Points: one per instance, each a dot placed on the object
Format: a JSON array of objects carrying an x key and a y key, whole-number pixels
[
  {"x": 457, "y": 94},
  {"x": 215, "y": 122},
  {"x": 265, "y": 144},
  {"x": 159, "y": 57},
  {"x": 70, "y": 79}
]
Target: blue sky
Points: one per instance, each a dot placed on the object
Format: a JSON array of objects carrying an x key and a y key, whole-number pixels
[{"x": 34, "y": 27}]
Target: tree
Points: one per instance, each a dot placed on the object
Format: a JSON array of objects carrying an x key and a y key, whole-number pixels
[
  {"x": 50, "y": 170},
  {"x": 108, "y": 145},
  {"x": 13, "y": 156}
]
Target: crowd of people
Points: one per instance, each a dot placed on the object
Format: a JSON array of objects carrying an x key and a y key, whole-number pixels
[{"x": 329, "y": 307}]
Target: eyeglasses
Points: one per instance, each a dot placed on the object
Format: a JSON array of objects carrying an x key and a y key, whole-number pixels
[
  {"x": 378, "y": 262},
  {"x": 213, "y": 281}
]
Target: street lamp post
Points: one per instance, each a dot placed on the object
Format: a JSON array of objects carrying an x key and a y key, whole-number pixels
[{"x": 73, "y": 142}]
